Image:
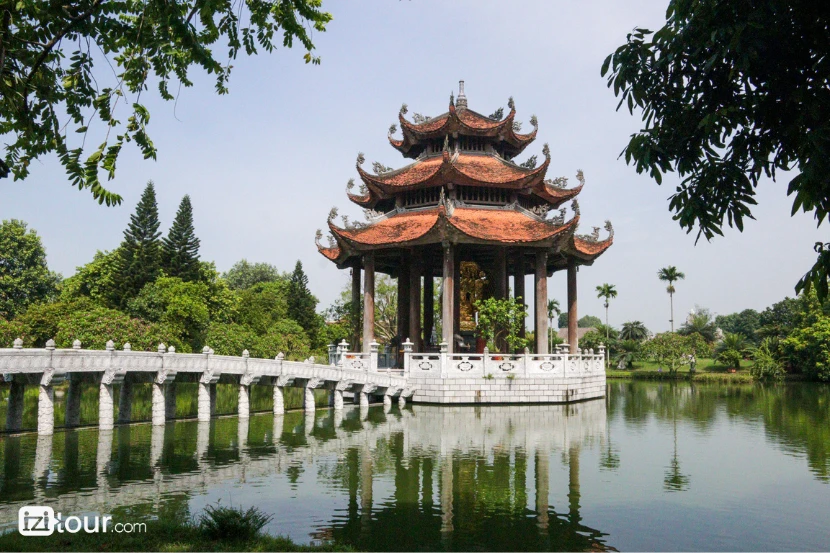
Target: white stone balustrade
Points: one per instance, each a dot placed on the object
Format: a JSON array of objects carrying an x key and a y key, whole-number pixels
[{"x": 45, "y": 367}]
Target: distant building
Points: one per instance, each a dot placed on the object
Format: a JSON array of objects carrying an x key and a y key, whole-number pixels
[{"x": 580, "y": 332}]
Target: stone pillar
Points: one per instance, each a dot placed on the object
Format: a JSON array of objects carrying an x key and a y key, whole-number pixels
[
  {"x": 541, "y": 301},
  {"x": 446, "y": 496},
  {"x": 244, "y": 404},
  {"x": 308, "y": 399},
  {"x": 573, "y": 332},
  {"x": 519, "y": 285},
  {"x": 573, "y": 484},
  {"x": 368, "y": 300},
  {"x": 73, "y": 402},
  {"x": 46, "y": 410},
  {"x": 276, "y": 430},
  {"x": 356, "y": 306},
  {"x": 337, "y": 399},
  {"x": 202, "y": 441},
  {"x": 170, "y": 401},
  {"x": 156, "y": 445},
  {"x": 401, "y": 401},
  {"x": 204, "y": 408},
  {"x": 158, "y": 403},
  {"x": 415, "y": 301},
  {"x": 387, "y": 401},
  {"x": 14, "y": 414},
  {"x": 279, "y": 400},
  {"x": 447, "y": 295},
  {"x": 106, "y": 415},
  {"x": 429, "y": 306},
  {"x": 125, "y": 401}
]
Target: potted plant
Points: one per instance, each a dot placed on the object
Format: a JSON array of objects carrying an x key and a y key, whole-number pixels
[{"x": 499, "y": 324}]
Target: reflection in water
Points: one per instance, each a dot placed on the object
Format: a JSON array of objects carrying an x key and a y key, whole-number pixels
[{"x": 450, "y": 478}]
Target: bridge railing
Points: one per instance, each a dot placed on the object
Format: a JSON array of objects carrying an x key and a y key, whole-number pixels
[
  {"x": 461, "y": 365},
  {"x": 48, "y": 366}
]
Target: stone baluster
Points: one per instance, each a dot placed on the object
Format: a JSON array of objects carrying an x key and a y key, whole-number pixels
[
  {"x": 444, "y": 358},
  {"x": 125, "y": 397},
  {"x": 344, "y": 348},
  {"x": 46, "y": 397},
  {"x": 17, "y": 393},
  {"x": 407, "y": 356},
  {"x": 373, "y": 356},
  {"x": 73, "y": 395}
]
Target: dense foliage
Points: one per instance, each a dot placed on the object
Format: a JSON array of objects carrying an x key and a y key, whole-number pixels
[
  {"x": 500, "y": 322},
  {"x": 747, "y": 323},
  {"x": 69, "y": 65},
  {"x": 730, "y": 93},
  {"x": 24, "y": 276},
  {"x": 139, "y": 261}
]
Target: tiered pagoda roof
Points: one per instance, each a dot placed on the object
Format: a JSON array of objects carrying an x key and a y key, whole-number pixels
[{"x": 463, "y": 187}]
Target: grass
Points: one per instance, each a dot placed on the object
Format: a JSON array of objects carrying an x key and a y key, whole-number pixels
[
  {"x": 706, "y": 370},
  {"x": 215, "y": 531}
]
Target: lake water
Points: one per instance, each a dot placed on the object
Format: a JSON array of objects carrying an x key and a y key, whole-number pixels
[{"x": 654, "y": 466}]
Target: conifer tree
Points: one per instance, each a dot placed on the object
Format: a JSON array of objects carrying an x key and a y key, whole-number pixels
[
  {"x": 180, "y": 248},
  {"x": 301, "y": 303},
  {"x": 140, "y": 259}
]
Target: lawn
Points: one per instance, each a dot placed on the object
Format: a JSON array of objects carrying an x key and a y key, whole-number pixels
[{"x": 705, "y": 370}]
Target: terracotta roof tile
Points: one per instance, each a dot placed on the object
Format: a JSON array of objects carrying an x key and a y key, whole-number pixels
[
  {"x": 331, "y": 253},
  {"x": 504, "y": 226},
  {"x": 400, "y": 228},
  {"x": 586, "y": 247},
  {"x": 489, "y": 169},
  {"x": 476, "y": 120}
]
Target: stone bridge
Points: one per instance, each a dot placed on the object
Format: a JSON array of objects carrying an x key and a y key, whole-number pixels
[
  {"x": 46, "y": 367},
  {"x": 442, "y": 377}
]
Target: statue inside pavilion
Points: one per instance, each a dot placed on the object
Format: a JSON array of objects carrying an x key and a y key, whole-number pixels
[{"x": 466, "y": 213}]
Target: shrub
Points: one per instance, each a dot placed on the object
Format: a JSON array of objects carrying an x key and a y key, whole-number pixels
[
  {"x": 808, "y": 349},
  {"x": 767, "y": 365},
  {"x": 232, "y": 523},
  {"x": 732, "y": 350},
  {"x": 95, "y": 326}
]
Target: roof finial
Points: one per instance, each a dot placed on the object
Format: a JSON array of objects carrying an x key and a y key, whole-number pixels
[{"x": 462, "y": 98}]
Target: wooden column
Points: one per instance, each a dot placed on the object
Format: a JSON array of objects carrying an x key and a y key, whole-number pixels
[
  {"x": 429, "y": 307},
  {"x": 456, "y": 292},
  {"x": 403, "y": 300},
  {"x": 415, "y": 301},
  {"x": 368, "y": 300},
  {"x": 541, "y": 301},
  {"x": 448, "y": 295},
  {"x": 573, "y": 336},
  {"x": 500, "y": 281},
  {"x": 519, "y": 285},
  {"x": 356, "y": 307}
]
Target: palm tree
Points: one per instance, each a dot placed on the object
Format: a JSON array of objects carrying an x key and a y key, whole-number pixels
[
  {"x": 634, "y": 330},
  {"x": 606, "y": 291},
  {"x": 553, "y": 313},
  {"x": 670, "y": 274}
]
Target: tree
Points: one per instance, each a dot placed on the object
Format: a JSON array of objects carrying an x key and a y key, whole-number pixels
[
  {"x": 699, "y": 322},
  {"x": 747, "y": 322},
  {"x": 670, "y": 274},
  {"x": 553, "y": 312},
  {"x": 140, "y": 258},
  {"x": 501, "y": 320},
  {"x": 669, "y": 349},
  {"x": 180, "y": 248},
  {"x": 24, "y": 276},
  {"x": 606, "y": 291},
  {"x": 731, "y": 92},
  {"x": 51, "y": 91},
  {"x": 779, "y": 319},
  {"x": 244, "y": 274},
  {"x": 634, "y": 330},
  {"x": 588, "y": 321},
  {"x": 732, "y": 349},
  {"x": 96, "y": 280},
  {"x": 301, "y": 304},
  {"x": 808, "y": 349}
]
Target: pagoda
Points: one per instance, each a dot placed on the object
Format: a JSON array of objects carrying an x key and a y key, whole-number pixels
[{"x": 462, "y": 207}]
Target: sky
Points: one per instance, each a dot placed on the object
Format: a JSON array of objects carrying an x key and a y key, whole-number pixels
[{"x": 264, "y": 164}]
